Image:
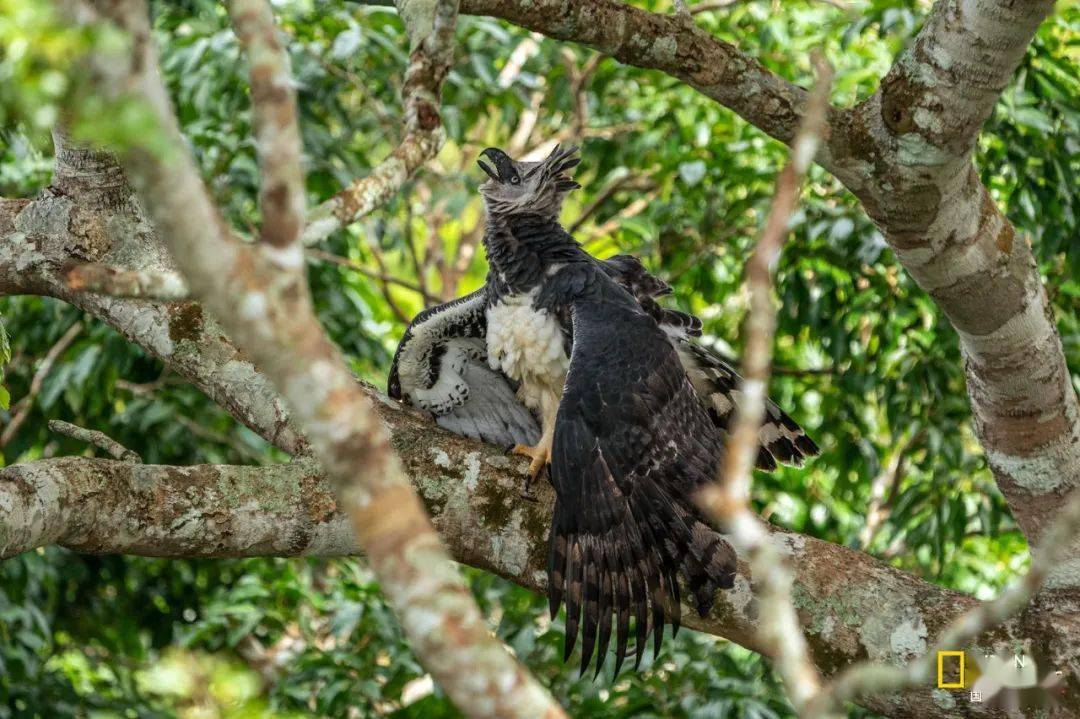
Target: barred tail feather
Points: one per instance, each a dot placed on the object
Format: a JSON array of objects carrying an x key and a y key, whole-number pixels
[{"x": 632, "y": 571}]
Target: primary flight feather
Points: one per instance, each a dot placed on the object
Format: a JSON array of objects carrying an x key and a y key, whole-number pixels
[{"x": 572, "y": 362}]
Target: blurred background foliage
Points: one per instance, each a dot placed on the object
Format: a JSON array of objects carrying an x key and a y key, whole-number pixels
[{"x": 863, "y": 359}]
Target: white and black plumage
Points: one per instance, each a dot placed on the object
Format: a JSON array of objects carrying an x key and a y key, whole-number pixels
[{"x": 572, "y": 360}]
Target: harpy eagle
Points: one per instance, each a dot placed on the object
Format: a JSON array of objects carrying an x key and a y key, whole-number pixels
[{"x": 572, "y": 362}]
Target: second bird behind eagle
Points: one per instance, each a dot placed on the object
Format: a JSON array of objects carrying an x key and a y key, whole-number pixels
[{"x": 572, "y": 362}]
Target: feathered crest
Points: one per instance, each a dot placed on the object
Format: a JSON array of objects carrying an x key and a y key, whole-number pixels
[{"x": 517, "y": 187}]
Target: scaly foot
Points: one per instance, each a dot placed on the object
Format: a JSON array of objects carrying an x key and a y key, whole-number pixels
[{"x": 540, "y": 456}]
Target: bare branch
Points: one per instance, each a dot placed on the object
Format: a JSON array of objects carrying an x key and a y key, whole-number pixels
[
  {"x": 22, "y": 408},
  {"x": 98, "y": 439},
  {"x": 382, "y": 277},
  {"x": 727, "y": 501},
  {"x": 886, "y": 481},
  {"x": 277, "y": 137},
  {"x": 429, "y": 64},
  {"x": 119, "y": 282},
  {"x": 640, "y": 181}
]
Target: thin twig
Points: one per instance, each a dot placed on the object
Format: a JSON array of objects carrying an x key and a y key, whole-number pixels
[
  {"x": 384, "y": 287},
  {"x": 429, "y": 64},
  {"x": 464, "y": 253},
  {"x": 120, "y": 282},
  {"x": 98, "y": 439},
  {"x": 232, "y": 443},
  {"x": 883, "y": 488},
  {"x": 634, "y": 208},
  {"x": 521, "y": 54},
  {"x": 277, "y": 136},
  {"x": 148, "y": 388},
  {"x": 727, "y": 500},
  {"x": 629, "y": 180},
  {"x": 22, "y": 408},
  {"x": 380, "y": 276},
  {"x": 419, "y": 266}
]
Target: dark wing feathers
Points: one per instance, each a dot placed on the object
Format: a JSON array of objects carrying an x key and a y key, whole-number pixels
[
  {"x": 441, "y": 366},
  {"x": 782, "y": 439},
  {"x": 641, "y": 426},
  {"x": 717, "y": 383},
  {"x": 632, "y": 444}
]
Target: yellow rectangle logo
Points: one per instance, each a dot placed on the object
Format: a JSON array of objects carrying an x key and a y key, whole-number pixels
[{"x": 942, "y": 684}]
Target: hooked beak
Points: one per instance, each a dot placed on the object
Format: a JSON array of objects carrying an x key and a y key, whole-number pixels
[{"x": 501, "y": 161}]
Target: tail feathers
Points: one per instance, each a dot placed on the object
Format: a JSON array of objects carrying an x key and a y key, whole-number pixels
[{"x": 631, "y": 571}]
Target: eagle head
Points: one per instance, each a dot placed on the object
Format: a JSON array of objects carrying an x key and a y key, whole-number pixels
[{"x": 536, "y": 188}]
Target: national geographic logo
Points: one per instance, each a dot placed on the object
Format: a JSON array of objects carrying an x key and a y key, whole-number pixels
[{"x": 1017, "y": 682}]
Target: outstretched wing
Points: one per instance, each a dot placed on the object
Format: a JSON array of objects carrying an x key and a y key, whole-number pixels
[
  {"x": 441, "y": 366},
  {"x": 716, "y": 381},
  {"x": 781, "y": 438},
  {"x": 632, "y": 276},
  {"x": 632, "y": 443}
]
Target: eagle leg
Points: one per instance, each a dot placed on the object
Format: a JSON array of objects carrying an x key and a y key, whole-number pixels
[{"x": 541, "y": 458}]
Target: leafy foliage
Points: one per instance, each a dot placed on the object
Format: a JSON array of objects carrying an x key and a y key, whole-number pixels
[{"x": 864, "y": 359}]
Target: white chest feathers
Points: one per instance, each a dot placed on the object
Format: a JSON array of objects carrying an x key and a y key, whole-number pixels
[{"x": 526, "y": 344}]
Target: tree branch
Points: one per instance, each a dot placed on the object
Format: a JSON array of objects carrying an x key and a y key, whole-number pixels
[
  {"x": 382, "y": 277},
  {"x": 728, "y": 500},
  {"x": 277, "y": 137},
  {"x": 98, "y": 439},
  {"x": 265, "y": 305},
  {"x": 851, "y": 605},
  {"x": 9, "y": 210},
  {"x": 875, "y": 678},
  {"x": 431, "y": 55},
  {"x": 120, "y": 282}
]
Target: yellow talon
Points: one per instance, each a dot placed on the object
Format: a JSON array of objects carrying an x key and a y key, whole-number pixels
[{"x": 540, "y": 456}]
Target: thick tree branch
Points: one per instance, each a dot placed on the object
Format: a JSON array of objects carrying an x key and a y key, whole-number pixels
[
  {"x": 870, "y": 677},
  {"x": 118, "y": 282},
  {"x": 923, "y": 192},
  {"x": 851, "y": 606},
  {"x": 9, "y": 209}
]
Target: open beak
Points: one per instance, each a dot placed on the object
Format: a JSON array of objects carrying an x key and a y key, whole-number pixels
[
  {"x": 502, "y": 162},
  {"x": 490, "y": 173}
]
